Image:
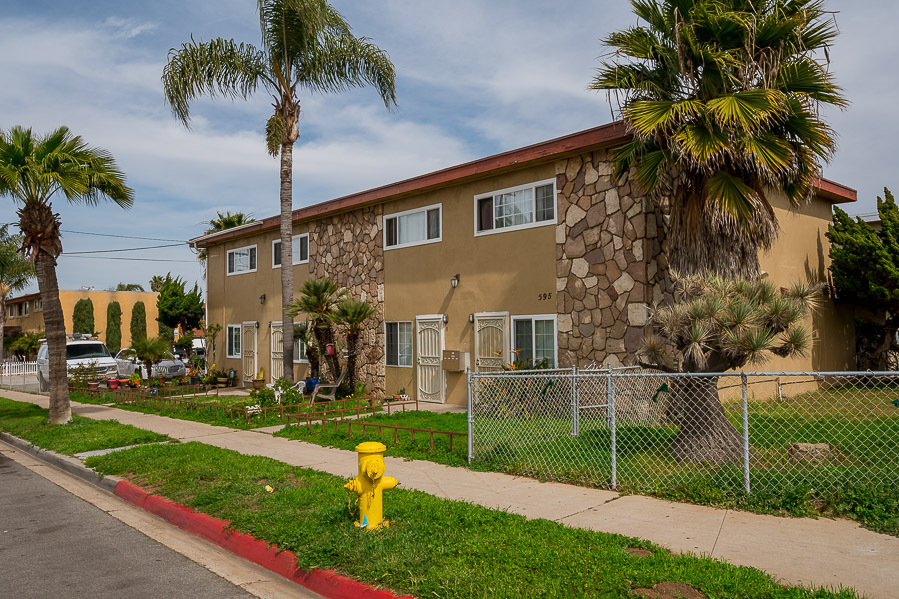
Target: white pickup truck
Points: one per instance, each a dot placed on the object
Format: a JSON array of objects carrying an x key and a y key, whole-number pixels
[{"x": 80, "y": 350}]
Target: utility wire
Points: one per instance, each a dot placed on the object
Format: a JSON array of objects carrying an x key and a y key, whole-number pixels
[
  {"x": 121, "y": 236},
  {"x": 118, "y": 258},
  {"x": 149, "y": 247}
]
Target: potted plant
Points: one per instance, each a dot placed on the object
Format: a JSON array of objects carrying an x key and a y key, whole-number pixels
[
  {"x": 400, "y": 395},
  {"x": 260, "y": 378},
  {"x": 93, "y": 385},
  {"x": 112, "y": 383},
  {"x": 134, "y": 380}
]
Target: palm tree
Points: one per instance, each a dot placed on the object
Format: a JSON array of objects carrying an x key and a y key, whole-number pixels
[
  {"x": 150, "y": 351},
  {"x": 156, "y": 283},
  {"x": 16, "y": 272},
  {"x": 723, "y": 98},
  {"x": 306, "y": 44},
  {"x": 318, "y": 300},
  {"x": 352, "y": 314},
  {"x": 33, "y": 169},
  {"x": 223, "y": 222}
]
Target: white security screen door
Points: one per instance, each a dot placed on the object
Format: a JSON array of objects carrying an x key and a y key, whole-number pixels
[
  {"x": 277, "y": 351},
  {"x": 491, "y": 341},
  {"x": 429, "y": 351},
  {"x": 248, "y": 349}
]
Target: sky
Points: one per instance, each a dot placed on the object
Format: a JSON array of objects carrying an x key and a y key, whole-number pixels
[{"x": 474, "y": 78}]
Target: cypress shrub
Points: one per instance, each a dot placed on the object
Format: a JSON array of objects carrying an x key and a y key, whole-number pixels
[
  {"x": 114, "y": 327},
  {"x": 138, "y": 323},
  {"x": 83, "y": 316}
]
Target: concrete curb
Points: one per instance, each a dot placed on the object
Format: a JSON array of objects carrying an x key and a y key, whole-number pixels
[
  {"x": 284, "y": 563},
  {"x": 325, "y": 582},
  {"x": 63, "y": 462}
]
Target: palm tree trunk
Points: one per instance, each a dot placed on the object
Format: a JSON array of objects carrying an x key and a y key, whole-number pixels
[
  {"x": 55, "y": 324},
  {"x": 287, "y": 257},
  {"x": 2, "y": 326},
  {"x": 352, "y": 342},
  {"x": 324, "y": 336},
  {"x": 705, "y": 435}
]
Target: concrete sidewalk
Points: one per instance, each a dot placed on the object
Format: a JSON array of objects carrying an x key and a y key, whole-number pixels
[{"x": 822, "y": 552}]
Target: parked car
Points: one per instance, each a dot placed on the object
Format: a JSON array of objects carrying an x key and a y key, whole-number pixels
[
  {"x": 81, "y": 350},
  {"x": 167, "y": 369}
]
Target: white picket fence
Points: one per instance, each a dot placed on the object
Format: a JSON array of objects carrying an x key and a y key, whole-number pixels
[{"x": 17, "y": 368}]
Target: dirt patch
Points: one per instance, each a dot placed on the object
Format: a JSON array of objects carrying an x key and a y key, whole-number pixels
[
  {"x": 669, "y": 590},
  {"x": 639, "y": 552}
]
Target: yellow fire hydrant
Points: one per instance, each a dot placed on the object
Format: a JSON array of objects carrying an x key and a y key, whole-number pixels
[{"x": 370, "y": 484}]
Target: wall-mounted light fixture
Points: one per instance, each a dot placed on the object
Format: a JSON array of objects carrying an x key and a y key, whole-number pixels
[
  {"x": 471, "y": 318},
  {"x": 262, "y": 299},
  {"x": 454, "y": 282},
  {"x": 257, "y": 324},
  {"x": 445, "y": 318}
]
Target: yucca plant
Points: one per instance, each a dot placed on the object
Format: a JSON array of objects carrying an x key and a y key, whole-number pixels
[
  {"x": 306, "y": 45},
  {"x": 352, "y": 314},
  {"x": 34, "y": 169},
  {"x": 318, "y": 300},
  {"x": 713, "y": 325},
  {"x": 723, "y": 99}
]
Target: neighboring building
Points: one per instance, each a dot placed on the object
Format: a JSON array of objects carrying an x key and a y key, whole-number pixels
[
  {"x": 25, "y": 313},
  {"x": 536, "y": 250}
]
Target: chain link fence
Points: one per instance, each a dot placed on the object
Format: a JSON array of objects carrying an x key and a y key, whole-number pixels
[{"x": 723, "y": 434}]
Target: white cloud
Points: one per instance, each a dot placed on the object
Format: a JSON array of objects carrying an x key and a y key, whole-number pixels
[{"x": 129, "y": 28}]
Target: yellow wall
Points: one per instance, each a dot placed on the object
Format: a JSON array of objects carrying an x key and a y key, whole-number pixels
[{"x": 101, "y": 300}]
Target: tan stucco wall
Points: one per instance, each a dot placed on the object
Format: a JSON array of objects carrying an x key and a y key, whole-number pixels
[
  {"x": 235, "y": 299},
  {"x": 100, "y": 300}
]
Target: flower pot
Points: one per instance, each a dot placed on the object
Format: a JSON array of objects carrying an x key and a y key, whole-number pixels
[
  {"x": 112, "y": 383},
  {"x": 311, "y": 383},
  {"x": 93, "y": 386},
  {"x": 257, "y": 383},
  {"x": 222, "y": 381}
]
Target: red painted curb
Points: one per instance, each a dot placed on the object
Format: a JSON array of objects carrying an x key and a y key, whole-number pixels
[{"x": 324, "y": 582}]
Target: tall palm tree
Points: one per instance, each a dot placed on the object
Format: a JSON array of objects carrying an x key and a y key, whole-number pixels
[
  {"x": 223, "y": 222},
  {"x": 723, "y": 98},
  {"x": 318, "y": 300},
  {"x": 352, "y": 314},
  {"x": 306, "y": 44},
  {"x": 156, "y": 283},
  {"x": 34, "y": 168},
  {"x": 16, "y": 272}
]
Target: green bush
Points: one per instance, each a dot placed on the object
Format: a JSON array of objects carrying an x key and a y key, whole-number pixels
[
  {"x": 138, "y": 322},
  {"x": 83, "y": 316},
  {"x": 114, "y": 327}
]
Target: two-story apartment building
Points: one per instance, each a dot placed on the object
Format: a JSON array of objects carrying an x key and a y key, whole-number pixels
[{"x": 538, "y": 250}]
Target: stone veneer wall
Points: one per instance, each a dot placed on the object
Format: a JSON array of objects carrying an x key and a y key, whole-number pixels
[
  {"x": 609, "y": 262},
  {"x": 348, "y": 248}
]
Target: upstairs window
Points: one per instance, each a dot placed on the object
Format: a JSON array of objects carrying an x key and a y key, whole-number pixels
[
  {"x": 413, "y": 227},
  {"x": 242, "y": 260},
  {"x": 516, "y": 208},
  {"x": 38, "y": 305},
  {"x": 299, "y": 253},
  {"x": 26, "y": 305}
]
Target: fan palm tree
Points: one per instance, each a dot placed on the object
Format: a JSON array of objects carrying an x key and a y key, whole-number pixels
[
  {"x": 318, "y": 300},
  {"x": 223, "y": 222},
  {"x": 352, "y": 314},
  {"x": 151, "y": 351},
  {"x": 33, "y": 169},
  {"x": 16, "y": 272},
  {"x": 306, "y": 44},
  {"x": 723, "y": 98},
  {"x": 156, "y": 283}
]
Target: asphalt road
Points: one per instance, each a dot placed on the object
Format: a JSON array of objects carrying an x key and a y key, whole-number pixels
[{"x": 55, "y": 545}]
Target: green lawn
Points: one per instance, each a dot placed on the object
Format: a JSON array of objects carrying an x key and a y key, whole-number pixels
[
  {"x": 28, "y": 421},
  {"x": 434, "y": 547}
]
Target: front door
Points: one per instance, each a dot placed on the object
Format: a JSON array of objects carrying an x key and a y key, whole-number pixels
[
  {"x": 277, "y": 352},
  {"x": 248, "y": 349},
  {"x": 429, "y": 351},
  {"x": 491, "y": 341}
]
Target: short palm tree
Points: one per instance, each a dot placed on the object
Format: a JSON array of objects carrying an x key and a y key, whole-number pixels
[
  {"x": 16, "y": 272},
  {"x": 318, "y": 301},
  {"x": 723, "y": 98},
  {"x": 151, "y": 351},
  {"x": 352, "y": 314},
  {"x": 33, "y": 169},
  {"x": 306, "y": 44}
]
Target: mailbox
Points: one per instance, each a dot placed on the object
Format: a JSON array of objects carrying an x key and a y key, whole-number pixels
[{"x": 455, "y": 360}]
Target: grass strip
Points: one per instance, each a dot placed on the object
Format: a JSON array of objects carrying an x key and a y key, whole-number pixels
[
  {"x": 434, "y": 547},
  {"x": 28, "y": 421}
]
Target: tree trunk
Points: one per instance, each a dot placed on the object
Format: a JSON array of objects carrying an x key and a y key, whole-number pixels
[
  {"x": 324, "y": 336},
  {"x": 54, "y": 322},
  {"x": 706, "y": 435},
  {"x": 287, "y": 257},
  {"x": 312, "y": 356},
  {"x": 352, "y": 342},
  {"x": 2, "y": 326}
]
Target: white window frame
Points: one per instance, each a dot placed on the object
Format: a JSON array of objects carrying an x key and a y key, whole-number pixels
[
  {"x": 241, "y": 272},
  {"x": 299, "y": 349},
  {"x": 293, "y": 255},
  {"x": 27, "y": 308},
  {"x": 38, "y": 305},
  {"x": 228, "y": 344},
  {"x": 424, "y": 209},
  {"x": 13, "y": 311},
  {"x": 412, "y": 353},
  {"x": 532, "y": 225},
  {"x": 532, "y": 318}
]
